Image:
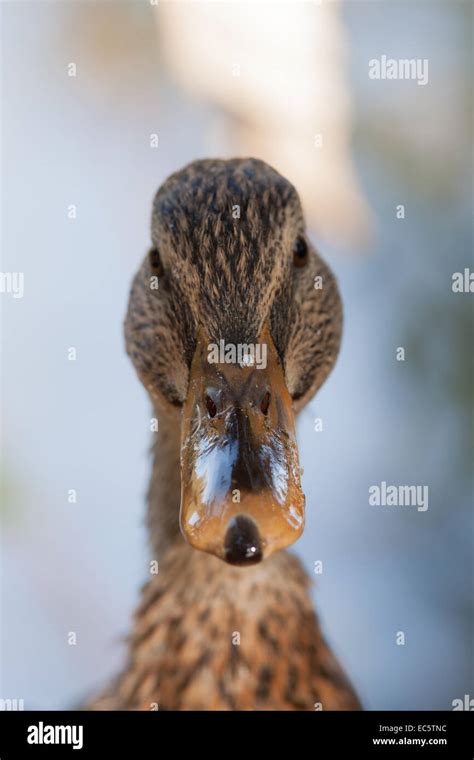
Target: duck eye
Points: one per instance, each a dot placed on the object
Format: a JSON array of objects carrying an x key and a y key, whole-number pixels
[
  {"x": 155, "y": 262},
  {"x": 300, "y": 252},
  {"x": 211, "y": 406}
]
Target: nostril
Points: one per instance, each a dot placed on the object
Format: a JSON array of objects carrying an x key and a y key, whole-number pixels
[
  {"x": 242, "y": 542},
  {"x": 211, "y": 406},
  {"x": 265, "y": 403}
]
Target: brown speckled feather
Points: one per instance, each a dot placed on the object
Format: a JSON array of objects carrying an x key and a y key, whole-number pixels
[{"x": 208, "y": 636}]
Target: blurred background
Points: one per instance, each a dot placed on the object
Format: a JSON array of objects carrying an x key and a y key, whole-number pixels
[{"x": 157, "y": 87}]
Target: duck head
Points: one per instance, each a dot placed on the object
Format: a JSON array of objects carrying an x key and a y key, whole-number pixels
[{"x": 234, "y": 320}]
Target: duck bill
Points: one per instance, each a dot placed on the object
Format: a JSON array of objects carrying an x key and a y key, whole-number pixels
[{"x": 241, "y": 496}]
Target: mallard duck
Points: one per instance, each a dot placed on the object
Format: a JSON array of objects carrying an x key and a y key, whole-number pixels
[{"x": 226, "y": 620}]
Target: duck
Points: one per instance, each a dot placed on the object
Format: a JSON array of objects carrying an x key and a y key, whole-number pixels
[{"x": 225, "y": 620}]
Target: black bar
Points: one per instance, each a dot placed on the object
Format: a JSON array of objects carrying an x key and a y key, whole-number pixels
[{"x": 158, "y": 734}]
